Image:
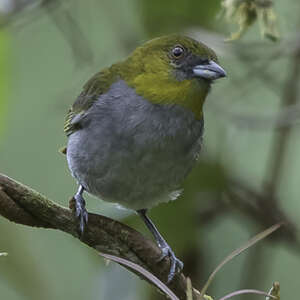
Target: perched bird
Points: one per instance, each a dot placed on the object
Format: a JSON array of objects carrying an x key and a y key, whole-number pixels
[{"x": 135, "y": 131}]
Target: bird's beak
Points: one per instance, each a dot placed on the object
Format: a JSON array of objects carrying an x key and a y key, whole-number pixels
[{"x": 209, "y": 71}]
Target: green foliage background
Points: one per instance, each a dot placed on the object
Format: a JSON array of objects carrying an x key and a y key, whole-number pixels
[
  {"x": 4, "y": 76},
  {"x": 45, "y": 79}
]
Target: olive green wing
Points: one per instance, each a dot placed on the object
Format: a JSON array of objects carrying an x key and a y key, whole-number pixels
[
  {"x": 96, "y": 86},
  {"x": 76, "y": 112}
]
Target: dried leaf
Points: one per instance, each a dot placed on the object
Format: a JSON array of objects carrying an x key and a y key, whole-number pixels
[
  {"x": 245, "y": 12},
  {"x": 274, "y": 291},
  {"x": 242, "y": 13},
  {"x": 268, "y": 23}
]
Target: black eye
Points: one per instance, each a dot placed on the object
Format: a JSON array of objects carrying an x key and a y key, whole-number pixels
[{"x": 177, "y": 51}]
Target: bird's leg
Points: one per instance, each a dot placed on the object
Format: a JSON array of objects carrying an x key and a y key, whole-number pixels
[
  {"x": 80, "y": 211},
  {"x": 162, "y": 244}
]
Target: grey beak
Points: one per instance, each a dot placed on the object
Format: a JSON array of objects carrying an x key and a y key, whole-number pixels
[{"x": 209, "y": 71}]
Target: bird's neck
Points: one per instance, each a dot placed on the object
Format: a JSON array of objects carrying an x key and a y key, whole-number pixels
[
  {"x": 158, "y": 87},
  {"x": 187, "y": 93}
]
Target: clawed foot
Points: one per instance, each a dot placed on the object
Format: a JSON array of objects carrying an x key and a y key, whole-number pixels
[
  {"x": 80, "y": 212},
  {"x": 176, "y": 264}
]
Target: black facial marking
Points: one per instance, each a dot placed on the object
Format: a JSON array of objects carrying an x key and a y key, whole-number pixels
[{"x": 184, "y": 67}]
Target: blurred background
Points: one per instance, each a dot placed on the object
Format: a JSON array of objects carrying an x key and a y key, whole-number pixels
[{"x": 249, "y": 171}]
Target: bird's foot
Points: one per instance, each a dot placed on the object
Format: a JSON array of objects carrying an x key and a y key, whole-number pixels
[
  {"x": 176, "y": 264},
  {"x": 81, "y": 212}
]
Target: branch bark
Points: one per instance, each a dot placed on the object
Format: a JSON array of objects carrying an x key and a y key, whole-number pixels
[{"x": 23, "y": 205}]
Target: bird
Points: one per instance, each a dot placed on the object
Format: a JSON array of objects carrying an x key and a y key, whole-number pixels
[{"x": 135, "y": 131}]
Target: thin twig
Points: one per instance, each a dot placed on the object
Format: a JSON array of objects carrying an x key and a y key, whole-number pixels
[
  {"x": 238, "y": 251},
  {"x": 144, "y": 272},
  {"x": 247, "y": 291}
]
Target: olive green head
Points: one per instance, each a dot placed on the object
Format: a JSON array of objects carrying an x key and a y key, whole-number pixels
[{"x": 173, "y": 69}]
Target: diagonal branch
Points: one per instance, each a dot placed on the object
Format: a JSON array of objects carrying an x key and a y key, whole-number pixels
[
  {"x": 23, "y": 205},
  {"x": 281, "y": 140}
]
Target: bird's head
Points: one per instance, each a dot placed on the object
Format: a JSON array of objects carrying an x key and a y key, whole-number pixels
[{"x": 173, "y": 69}]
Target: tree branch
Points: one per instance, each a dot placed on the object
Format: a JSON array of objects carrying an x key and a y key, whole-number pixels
[
  {"x": 281, "y": 140},
  {"x": 23, "y": 205}
]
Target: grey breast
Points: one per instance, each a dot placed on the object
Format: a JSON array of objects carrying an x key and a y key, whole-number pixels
[{"x": 131, "y": 151}]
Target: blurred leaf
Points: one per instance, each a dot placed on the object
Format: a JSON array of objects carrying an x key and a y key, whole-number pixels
[
  {"x": 241, "y": 12},
  {"x": 244, "y": 13},
  {"x": 3, "y": 254},
  {"x": 274, "y": 291}
]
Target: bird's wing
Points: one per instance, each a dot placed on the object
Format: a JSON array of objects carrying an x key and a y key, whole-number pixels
[{"x": 96, "y": 86}]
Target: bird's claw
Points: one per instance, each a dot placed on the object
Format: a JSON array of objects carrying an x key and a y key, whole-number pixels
[
  {"x": 81, "y": 212},
  {"x": 176, "y": 264}
]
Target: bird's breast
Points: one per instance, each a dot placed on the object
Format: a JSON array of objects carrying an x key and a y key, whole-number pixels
[{"x": 131, "y": 151}]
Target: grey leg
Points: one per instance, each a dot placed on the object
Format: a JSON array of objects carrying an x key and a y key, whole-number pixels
[
  {"x": 80, "y": 211},
  {"x": 162, "y": 244}
]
